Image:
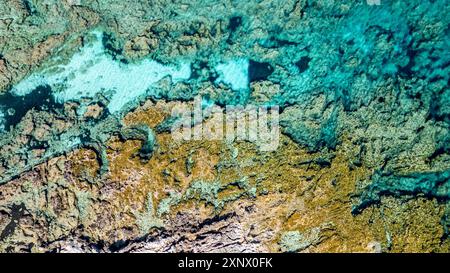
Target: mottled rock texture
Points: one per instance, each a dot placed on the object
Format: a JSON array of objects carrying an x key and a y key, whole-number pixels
[{"x": 364, "y": 157}]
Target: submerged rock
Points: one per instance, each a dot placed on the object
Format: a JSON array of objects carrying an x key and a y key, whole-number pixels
[
  {"x": 88, "y": 91},
  {"x": 431, "y": 185}
]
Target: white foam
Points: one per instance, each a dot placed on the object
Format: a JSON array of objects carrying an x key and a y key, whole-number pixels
[
  {"x": 234, "y": 73},
  {"x": 91, "y": 71}
]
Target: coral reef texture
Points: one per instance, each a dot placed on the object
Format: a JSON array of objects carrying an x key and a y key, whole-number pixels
[{"x": 89, "y": 92}]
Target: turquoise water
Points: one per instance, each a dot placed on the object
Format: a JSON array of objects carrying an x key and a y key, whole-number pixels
[
  {"x": 92, "y": 71},
  {"x": 353, "y": 58}
]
